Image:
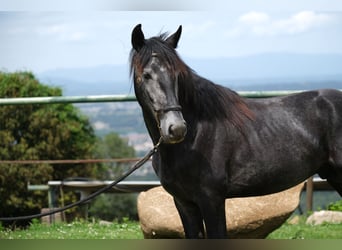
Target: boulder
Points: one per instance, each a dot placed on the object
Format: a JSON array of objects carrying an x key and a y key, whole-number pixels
[
  {"x": 324, "y": 216},
  {"x": 252, "y": 217}
]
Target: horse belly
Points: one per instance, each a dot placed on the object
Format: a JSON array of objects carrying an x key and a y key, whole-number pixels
[
  {"x": 273, "y": 171},
  {"x": 262, "y": 185}
]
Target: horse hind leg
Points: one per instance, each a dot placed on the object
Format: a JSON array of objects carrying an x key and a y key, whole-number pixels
[
  {"x": 335, "y": 180},
  {"x": 334, "y": 177}
]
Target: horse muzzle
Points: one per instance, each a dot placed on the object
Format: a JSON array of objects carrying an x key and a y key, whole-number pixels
[{"x": 173, "y": 127}]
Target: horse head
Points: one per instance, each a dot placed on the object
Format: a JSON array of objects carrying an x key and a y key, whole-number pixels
[{"x": 155, "y": 77}]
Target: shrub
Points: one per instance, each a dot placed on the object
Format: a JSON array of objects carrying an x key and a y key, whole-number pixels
[{"x": 335, "y": 206}]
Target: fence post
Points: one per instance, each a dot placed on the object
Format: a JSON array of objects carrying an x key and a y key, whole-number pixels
[{"x": 309, "y": 194}]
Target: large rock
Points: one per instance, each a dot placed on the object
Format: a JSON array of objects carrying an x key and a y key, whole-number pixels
[
  {"x": 324, "y": 216},
  {"x": 253, "y": 217}
]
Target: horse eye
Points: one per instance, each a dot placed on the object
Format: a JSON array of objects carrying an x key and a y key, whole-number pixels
[
  {"x": 138, "y": 79},
  {"x": 147, "y": 76}
]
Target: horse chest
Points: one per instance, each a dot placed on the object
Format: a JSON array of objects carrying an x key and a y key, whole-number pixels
[{"x": 177, "y": 177}]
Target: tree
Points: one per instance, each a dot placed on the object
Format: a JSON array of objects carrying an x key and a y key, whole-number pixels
[
  {"x": 38, "y": 132},
  {"x": 114, "y": 206},
  {"x": 112, "y": 146}
]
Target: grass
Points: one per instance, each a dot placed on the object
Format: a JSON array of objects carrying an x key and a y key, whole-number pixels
[
  {"x": 131, "y": 230},
  {"x": 301, "y": 230},
  {"x": 76, "y": 230}
]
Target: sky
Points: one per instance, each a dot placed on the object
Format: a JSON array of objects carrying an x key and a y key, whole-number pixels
[{"x": 37, "y": 36}]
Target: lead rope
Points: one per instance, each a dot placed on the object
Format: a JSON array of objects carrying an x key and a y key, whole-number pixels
[{"x": 137, "y": 165}]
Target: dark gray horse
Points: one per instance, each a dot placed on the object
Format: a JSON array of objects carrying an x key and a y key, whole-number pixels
[{"x": 218, "y": 145}]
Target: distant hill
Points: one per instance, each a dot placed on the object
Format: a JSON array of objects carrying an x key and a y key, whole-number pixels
[
  {"x": 270, "y": 66},
  {"x": 286, "y": 84},
  {"x": 260, "y": 72},
  {"x": 268, "y": 71},
  {"x": 99, "y": 80}
]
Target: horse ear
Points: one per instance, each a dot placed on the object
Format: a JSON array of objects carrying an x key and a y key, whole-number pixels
[
  {"x": 138, "y": 38},
  {"x": 174, "y": 38}
]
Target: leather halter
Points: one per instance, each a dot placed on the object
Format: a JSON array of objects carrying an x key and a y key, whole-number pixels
[{"x": 169, "y": 108}]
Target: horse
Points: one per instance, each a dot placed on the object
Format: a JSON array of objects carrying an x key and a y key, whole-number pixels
[{"x": 215, "y": 144}]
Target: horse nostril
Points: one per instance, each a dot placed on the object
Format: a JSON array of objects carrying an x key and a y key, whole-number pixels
[
  {"x": 171, "y": 128},
  {"x": 177, "y": 130}
]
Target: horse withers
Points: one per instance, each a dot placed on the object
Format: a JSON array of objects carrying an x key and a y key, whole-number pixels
[{"x": 217, "y": 145}]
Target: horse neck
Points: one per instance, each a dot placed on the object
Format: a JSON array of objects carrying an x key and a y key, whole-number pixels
[
  {"x": 202, "y": 100},
  {"x": 196, "y": 96}
]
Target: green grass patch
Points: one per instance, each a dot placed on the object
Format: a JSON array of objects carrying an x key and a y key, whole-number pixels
[
  {"x": 76, "y": 230},
  {"x": 301, "y": 230},
  {"x": 131, "y": 230}
]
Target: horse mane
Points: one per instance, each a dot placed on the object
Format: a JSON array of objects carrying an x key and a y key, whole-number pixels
[
  {"x": 199, "y": 96},
  {"x": 210, "y": 101}
]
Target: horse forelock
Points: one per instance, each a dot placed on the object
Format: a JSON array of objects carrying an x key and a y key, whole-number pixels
[{"x": 156, "y": 46}]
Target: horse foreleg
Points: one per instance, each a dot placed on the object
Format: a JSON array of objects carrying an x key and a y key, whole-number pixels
[
  {"x": 191, "y": 218},
  {"x": 214, "y": 215}
]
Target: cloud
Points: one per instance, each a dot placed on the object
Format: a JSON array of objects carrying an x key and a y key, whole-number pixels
[
  {"x": 198, "y": 29},
  {"x": 77, "y": 36},
  {"x": 261, "y": 24},
  {"x": 62, "y": 32},
  {"x": 254, "y": 17},
  {"x": 303, "y": 21}
]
